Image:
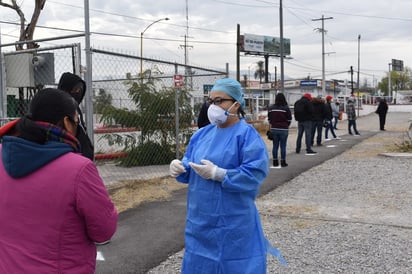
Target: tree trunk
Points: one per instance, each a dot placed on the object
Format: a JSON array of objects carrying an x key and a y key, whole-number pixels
[{"x": 26, "y": 32}]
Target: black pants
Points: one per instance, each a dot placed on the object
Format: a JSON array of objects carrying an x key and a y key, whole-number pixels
[{"x": 382, "y": 120}]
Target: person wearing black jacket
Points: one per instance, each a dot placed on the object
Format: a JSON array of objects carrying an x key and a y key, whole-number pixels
[
  {"x": 382, "y": 110},
  {"x": 318, "y": 118},
  {"x": 76, "y": 87},
  {"x": 279, "y": 117},
  {"x": 303, "y": 111}
]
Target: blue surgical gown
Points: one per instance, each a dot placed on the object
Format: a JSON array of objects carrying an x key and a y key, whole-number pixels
[{"x": 223, "y": 233}]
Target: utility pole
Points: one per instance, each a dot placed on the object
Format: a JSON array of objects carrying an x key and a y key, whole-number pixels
[
  {"x": 323, "y": 50},
  {"x": 359, "y": 37},
  {"x": 351, "y": 81},
  {"x": 237, "y": 53},
  {"x": 282, "y": 73},
  {"x": 188, "y": 72},
  {"x": 389, "y": 83}
]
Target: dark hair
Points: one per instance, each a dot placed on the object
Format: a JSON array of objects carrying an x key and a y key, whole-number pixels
[
  {"x": 52, "y": 105},
  {"x": 280, "y": 100}
]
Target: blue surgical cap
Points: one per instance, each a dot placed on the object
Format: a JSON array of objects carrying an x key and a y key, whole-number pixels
[{"x": 232, "y": 88}]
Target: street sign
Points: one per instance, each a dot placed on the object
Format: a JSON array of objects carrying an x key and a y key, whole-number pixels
[
  {"x": 309, "y": 83},
  {"x": 397, "y": 65},
  {"x": 178, "y": 80},
  {"x": 265, "y": 85},
  {"x": 207, "y": 88}
]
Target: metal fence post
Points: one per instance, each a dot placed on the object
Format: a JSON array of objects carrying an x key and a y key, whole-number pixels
[{"x": 177, "y": 115}]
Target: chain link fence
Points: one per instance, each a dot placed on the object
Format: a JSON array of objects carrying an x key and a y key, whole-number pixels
[
  {"x": 25, "y": 72},
  {"x": 144, "y": 110},
  {"x": 135, "y": 110}
]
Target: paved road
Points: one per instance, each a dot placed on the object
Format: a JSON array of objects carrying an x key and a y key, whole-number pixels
[{"x": 150, "y": 233}]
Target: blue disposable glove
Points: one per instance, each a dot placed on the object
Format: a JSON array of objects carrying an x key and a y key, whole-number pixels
[
  {"x": 176, "y": 168},
  {"x": 209, "y": 170}
]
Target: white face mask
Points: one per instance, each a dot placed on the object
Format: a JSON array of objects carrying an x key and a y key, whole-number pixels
[{"x": 217, "y": 115}]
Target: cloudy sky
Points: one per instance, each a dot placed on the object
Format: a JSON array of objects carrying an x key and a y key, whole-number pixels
[{"x": 384, "y": 26}]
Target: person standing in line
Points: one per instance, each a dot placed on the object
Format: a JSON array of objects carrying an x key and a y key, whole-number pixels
[
  {"x": 303, "y": 111},
  {"x": 279, "y": 117},
  {"x": 382, "y": 110},
  {"x": 335, "y": 113},
  {"x": 328, "y": 119},
  {"x": 351, "y": 115},
  {"x": 318, "y": 119},
  {"x": 224, "y": 165},
  {"x": 76, "y": 87},
  {"x": 54, "y": 206},
  {"x": 202, "y": 119}
]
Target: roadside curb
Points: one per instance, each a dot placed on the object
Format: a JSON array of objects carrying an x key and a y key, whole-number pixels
[{"x": 397, "y": 154}]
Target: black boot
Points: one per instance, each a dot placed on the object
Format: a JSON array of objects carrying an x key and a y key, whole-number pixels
[
  {"x": 276, "y": 162},
  {"x": 283, "y": 163}
]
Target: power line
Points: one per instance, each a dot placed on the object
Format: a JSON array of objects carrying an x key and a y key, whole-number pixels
[
  {"x": 138, "y": 18},
  {"x": 123, "y": 35}
]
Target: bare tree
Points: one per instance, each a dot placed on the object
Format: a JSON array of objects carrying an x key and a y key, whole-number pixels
[{"x": 26, "y": 31}]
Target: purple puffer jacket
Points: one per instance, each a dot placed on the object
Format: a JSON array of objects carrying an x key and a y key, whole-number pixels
[{"x": 50, "y": 219}]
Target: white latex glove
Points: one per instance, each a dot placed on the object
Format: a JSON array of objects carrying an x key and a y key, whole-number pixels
[
  {"x": 209, "y": 170},
  {"x": 176, "y": 168}
]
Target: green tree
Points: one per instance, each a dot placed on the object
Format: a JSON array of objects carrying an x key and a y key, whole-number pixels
[
  {"x": 400, "y": 80},
  {"x": 155, "y": 118},
  {"x": 260, "y": 70},
  {"x": 101, "y": 101}
]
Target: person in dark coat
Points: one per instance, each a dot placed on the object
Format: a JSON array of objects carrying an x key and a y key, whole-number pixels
[
  {"x": 76, "y": 87},
  {"x": 382, "y": 110},
  {"x": 318, "y": 118},
  {"x": 303, "y": 111}
]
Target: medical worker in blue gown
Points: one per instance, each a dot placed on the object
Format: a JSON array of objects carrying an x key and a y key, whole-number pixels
[{"x": 224, "y": 166}]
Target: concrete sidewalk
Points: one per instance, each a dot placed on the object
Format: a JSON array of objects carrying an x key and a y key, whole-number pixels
[{"x": 344, "y": 210}]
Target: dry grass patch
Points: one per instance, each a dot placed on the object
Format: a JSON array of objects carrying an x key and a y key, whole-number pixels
[
  {"x": 373, "y": 146},
  {"x": 130, "y": 194}
]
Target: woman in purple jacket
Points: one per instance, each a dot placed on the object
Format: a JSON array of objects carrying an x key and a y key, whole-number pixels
[
  {"x": 54, "y": 206},
  {"x": 279, "y": 117}
]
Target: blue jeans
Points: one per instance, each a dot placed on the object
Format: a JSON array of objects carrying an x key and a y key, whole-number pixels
[
  {"x": 317, "y": 126},
  {"x": 304, "y": 127},
  {"x": 352, "y": 123},
  {"x": 329, "y": 127},
  {"x": 335, "y": 121},
  {"x": 280, "y": 137}
]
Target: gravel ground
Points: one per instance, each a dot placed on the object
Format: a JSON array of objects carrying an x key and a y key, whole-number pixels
[{"x": 351, "y": 214}]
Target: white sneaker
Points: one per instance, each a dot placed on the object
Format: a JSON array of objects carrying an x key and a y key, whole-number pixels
[{"x": 327, "y": 139}]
